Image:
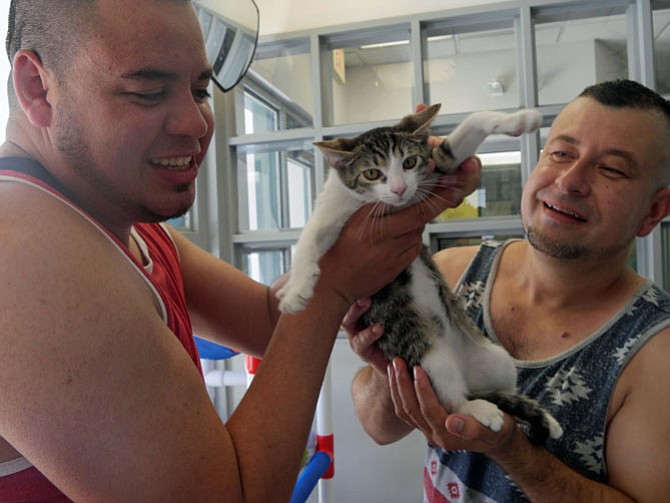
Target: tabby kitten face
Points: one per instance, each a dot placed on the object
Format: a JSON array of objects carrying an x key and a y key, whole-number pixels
[{"x": 388, "y": 166}]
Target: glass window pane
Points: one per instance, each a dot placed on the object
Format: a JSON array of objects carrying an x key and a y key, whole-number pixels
[
  {"x": 282, "y": 75},
  {"x": 665, "y": 243},
  {"x": 259, "y": 116},
  {"x": 184, "y": 222},
  {"x": 578, "y": 46},
  {"x": 661, "y": 20},
  {"x": 499, "y": 192},
  {"x": 299, "y": 183},
  {"x": 261, "y": 171},
  {"x": 263, "y": 265},
  {"x": 275, "y": 186},
  {"x": 371, "y": 80},
  {"x": 468, "y": 69}
]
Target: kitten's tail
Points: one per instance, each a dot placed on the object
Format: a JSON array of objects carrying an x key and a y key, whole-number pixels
[{"x": 542, "y": 424}]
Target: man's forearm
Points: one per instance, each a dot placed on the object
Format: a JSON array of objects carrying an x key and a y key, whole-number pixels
[
  {"x": 545, "y": 479},
  {"x": 375, "y": 409},
  {"x": 271, "y": 425}
]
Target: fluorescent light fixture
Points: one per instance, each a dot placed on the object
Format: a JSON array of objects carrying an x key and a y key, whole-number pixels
[
  {"x": 385, "y": 44},
  {"x": 380, "y": 45}
]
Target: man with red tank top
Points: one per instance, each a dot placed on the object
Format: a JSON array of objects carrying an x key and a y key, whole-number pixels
[{"x": 101, "y": 398}]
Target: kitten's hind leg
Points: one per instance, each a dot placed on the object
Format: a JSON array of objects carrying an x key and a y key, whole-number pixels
[
  {"x": 542, "y": 425},
  {"x": 444, "y": 367}
]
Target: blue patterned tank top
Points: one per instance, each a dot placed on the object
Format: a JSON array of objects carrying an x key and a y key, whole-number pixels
[{"x": 575, "y": 386}]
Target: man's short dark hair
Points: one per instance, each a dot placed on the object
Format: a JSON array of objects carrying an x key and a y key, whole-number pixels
[
  {"x": 50, "y": 28},
  {"x": 623, "y": 93}
]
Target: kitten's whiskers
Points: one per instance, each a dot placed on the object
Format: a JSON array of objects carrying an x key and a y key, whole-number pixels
[
  {"x": 424, "y": 196},
  {"x": 374, "y": 221}
]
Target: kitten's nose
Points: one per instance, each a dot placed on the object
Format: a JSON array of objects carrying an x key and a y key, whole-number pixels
[{"x": 399, "y": 190}]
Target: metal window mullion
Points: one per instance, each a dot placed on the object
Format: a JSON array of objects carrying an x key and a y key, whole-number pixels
[
  {"x": 284, "y": 193},
  {"x": 416, "y": 57},
  {"x": 641, "y": 68},
  {"x": 322, "y": 94},
  {"x": 223, "y": 196},
  {"x": 641, "y": 43},
  {"x": 524, "y": 29}
]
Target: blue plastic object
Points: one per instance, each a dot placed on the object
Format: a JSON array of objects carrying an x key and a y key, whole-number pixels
[
  {"x": 309, "y": 476},
  {"x": 212, "y": 351}
]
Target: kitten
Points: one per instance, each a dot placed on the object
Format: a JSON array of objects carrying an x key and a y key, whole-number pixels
[{"x": 424, "y": 322}]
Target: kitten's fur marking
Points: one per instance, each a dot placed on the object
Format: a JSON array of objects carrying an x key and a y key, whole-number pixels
[{"x": 423, "y": 320}]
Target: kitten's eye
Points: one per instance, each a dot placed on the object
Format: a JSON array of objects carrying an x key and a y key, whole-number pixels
[
  {"x": 410, "y": 162},
  {"x": 372, "y": 174}
]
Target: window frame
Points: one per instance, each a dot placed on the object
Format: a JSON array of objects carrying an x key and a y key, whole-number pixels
[{"x": 523, "y": 15}]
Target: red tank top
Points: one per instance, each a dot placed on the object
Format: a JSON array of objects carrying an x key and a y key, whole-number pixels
[{"x": 29, "y": 485}]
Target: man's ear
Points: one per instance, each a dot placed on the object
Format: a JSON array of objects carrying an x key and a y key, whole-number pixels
[
  {"x": 31, "y": 85},
  {"x": 660, "y": 209}
]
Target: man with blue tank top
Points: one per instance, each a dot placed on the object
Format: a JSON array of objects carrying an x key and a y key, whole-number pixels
[{"x": 589, "y": 336}]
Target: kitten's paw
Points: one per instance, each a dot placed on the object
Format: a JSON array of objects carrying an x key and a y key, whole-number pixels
[
  {"x": 299, "y": 288},
  {"x": 281, "y": 293},
  {"x": 485, "y": 412},
  {"x": 292, "y": 302}
]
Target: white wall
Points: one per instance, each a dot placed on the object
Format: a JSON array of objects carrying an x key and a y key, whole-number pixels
[{"x": 365, "y": 471}]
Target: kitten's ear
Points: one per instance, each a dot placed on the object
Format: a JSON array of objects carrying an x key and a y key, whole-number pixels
[
  {"x": 418, "y": 123},
  {"x": 335, "y": 153}
]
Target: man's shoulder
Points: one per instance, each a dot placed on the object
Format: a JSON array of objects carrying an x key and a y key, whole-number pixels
[
  {"x": 53, "y": 260},
  {"x": 31, "y": 222},
  {"x": 457, "y": 254},
  {"x": 453, "y": 261},
  {"x": 36, "y": 224}
]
